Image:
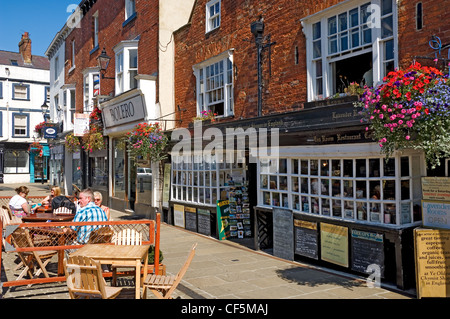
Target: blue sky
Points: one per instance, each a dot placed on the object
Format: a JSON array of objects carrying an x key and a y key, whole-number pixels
[{"x": 41, "y": 19}]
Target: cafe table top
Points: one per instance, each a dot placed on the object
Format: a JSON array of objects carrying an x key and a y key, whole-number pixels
[
  {"x": 43, "y": 217},
  {"x": 111, "y": 253}
]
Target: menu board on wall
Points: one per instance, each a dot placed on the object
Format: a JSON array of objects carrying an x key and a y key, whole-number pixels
[
  {"x": 367, "y": 249},
  {"x": 190, "y": 215},
  {"x": 334, "y": 244},
  {"x": 306, "y": 239},
  {"x": 283, "y": 233},
  {"x": 432, "y": 252},
  {"x": 178, "y": 215},
  {"x": 204, "y": 221}
]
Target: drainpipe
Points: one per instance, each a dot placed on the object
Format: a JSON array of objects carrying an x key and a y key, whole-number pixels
[{"x": 257, "y": 29}]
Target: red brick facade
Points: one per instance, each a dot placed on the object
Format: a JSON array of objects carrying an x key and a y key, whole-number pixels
[
  {"x": 285, "y": 86},
  {"x": 111, "y": 32}
]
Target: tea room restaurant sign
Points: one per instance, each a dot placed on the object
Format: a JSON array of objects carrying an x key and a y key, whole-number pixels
[{"x": 124, "y": 109}]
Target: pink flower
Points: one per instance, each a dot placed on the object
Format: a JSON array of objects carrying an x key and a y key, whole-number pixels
[{"x": 408, "y": 137}]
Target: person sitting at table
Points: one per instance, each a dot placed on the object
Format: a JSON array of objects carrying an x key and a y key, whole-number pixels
[
  {"x": 98, "y": 198},
  {"x": 55, "y": 191},
  {"x": 89, "y": 212},
  {"x": 64, "y": 201},
  {"x": 18, "y": 203}
]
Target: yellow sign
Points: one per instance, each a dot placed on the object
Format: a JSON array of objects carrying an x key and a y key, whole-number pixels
[
  {"x": 166, "y": 185},
  {"x": 305, "y": 224},
  {"x": 432, "y": 254},
  {"x": 178, "y": 215},
  {"x": 436, "y": 188},
  {"x": 334, "y": 244}
]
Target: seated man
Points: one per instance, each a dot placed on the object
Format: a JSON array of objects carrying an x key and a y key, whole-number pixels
[{"x": 89, "y": 212}]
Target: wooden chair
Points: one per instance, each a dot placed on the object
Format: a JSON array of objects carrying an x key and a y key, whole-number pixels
[
  {"x": 84, "y": 278},
  {"x": 101, "y": 235},
  {"x": 125, "y": 237},
  {"x": 21, "y": 239},
  {"x": 163, "y": 286}
]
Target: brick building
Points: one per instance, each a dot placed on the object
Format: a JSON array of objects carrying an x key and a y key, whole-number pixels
[{"x": 327, "y": 167}]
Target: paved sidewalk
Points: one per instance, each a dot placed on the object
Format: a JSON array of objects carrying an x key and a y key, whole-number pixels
[{"x": 227, "y": 270}]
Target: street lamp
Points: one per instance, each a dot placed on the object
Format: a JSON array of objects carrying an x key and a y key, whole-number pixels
[
  {"x": 103, "y": 62},
  {"x": 44, "y": 108}
]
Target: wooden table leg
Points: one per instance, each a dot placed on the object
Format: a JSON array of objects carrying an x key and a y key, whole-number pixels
[{"x": 138, "y": 279}]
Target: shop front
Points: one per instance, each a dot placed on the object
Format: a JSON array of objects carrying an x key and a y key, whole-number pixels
[
  {"x": 327, "y": 195},
  {"x": 131, "y": 179}
]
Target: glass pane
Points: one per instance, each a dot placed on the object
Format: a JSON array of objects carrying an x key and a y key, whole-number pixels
[
  {"x": 374, "y": 167},
  {"x": 361, "y": 211},
  {"x": 348, "y": 188},
  {"x": 324, "y": 168},
  {"x": 389, "y": 50},
  {"x": 336, "y": 187},
  {"x": 315, "y": 205},
  {"x": 386, "y": 7},
  {"x": 304, "y": 185},
  {"x": 389, "y": 214},
  {"x": 314, "y": 167},
  {"x": 348, "y": 209},
  {"x": 337, "y": 208},
  {"x": 387, "y": 27},
  {"x": 375, "y": 190},
  {"x": 273, "y": 182},
  {"x": 343, "y": 21},
  {"x": 305, "y": 205},
  {"x": 404, "y": 166},
  {"x": 275, "y": 199},
  {"x": 133, "y": 59},
  {"x": 405, "y": 189},
  {"x": 264, "y": 181},
  {"x": 354, "y": 17},
  {"x": 284, "y": 200},
  {"x": 295, "y": 202},
  {"x": 332, "y": 26},
  {"x": 283, "y": 166},
  {"x": 332, "y": 44},
  {"x": 361, "y": 189},
  {"x": 360, "y": 168},
  {"x": 348, "y": 168},
  {"x": 336, "y": 167},
  {"x": 317, "y": 49},
  {"x": 355, "y": 38},
  {"x": 294, "y": 184},
  {"x": 389, "y": 190},
  {"x": 316, "y": 31},
  {"x": 389, "y": 167},
  {"x": 266, "y": 198},
  {"x": 325, "y": 207},
  {"x": 344, "y": 42},
  {"x": 294, "y": 166},
  {"x": 325, "y": 187},
  {"x": 283, "y": 183}
]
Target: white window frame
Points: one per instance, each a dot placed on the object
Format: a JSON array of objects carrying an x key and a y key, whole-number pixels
[
  {"x": 96, "y": 30},
  {"x": 26, "y": 127},
  {"x": 223, "y": 83},
  {"x": 88, "y": 88},
  {"x": 123, "y": 69},
  {"x": 377, "y": 47},
  {"x": 213, "y": 21},
  {"x": 293, "y": 189},
  {"x": 73, "y": 54}
]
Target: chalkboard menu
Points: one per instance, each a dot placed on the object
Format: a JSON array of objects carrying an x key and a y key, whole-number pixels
[
  {"x": 283, "y": 233},
  {"x": 190, "y": 215},
  {"x": 367, "y": 249},
  {"x": 306, "y": 239},
  {"x": 204, "y": 221}
]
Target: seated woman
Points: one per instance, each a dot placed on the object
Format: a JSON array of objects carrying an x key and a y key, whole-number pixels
[
  {"x": 98, "y": 201},
  {"x": 18, "y": 203},
  {"x": 55, "y": 191}
]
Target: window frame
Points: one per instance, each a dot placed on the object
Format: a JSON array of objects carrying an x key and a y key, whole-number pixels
[
  {"x": 7, "y": 169},
  {"x": 27, "y": 126},
  {"x": 27, "y": 86},
  {"x": 88, "y": 88},
  {"x": 227, "y": 87},
  {"x": 95, "y": 31},
  {"x": 130, "y": 10},
  {"x": 321, "y": 76},
  {"x": 122, "y": 63},
  {"x": 210, "y": 20}
]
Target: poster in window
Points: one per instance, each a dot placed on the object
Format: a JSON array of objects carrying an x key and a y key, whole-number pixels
[{"x": 178, "y": 215}]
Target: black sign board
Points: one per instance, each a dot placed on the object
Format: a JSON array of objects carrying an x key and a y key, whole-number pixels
[
  {"x": 283, "y": 233},
  {"x": 204, "y": 221},
  {"x": 306, "y": 239},
  {"x": 367, "y": 249},
  {"x": 190, "y": 216}
]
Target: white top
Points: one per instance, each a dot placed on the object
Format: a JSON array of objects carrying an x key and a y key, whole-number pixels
[{"x": 16, "y": 202}]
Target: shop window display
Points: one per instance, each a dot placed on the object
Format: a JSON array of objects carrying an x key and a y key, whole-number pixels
[{"x": 361, "y": 189}]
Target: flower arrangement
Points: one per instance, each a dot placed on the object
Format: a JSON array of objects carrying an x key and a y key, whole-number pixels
[
  {"x": 93, "y": 140},
  {"x": 354, "y": 89},
  {"x": 147, "y": 141},
  {"x": 206, "y": 115},
  {"x": 38, "y": 128},
  {"x": 96, "y": 114},
  {"x": 36, "y": 148},
  {"x": 410, "y": 110},
  {"x": 72, "y": 143}
]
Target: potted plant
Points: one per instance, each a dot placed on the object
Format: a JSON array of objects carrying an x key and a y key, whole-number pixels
[
  {"x": 93, "y": 139},
  {"x": 147, "y": 141},
  {"x": 38, "y": 128},
  {"x": 208, "y": 116},
  {"x": 36, "y": 148},
  {"x": 410, "y": 110}
]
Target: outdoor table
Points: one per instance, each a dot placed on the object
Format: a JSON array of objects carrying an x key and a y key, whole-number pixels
[
  {"x": 43, "y": 217},
  {"x": 124, "y": 255},
  {"x": 44, "y": 209}
]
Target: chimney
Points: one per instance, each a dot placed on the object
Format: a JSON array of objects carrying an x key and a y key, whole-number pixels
[{"x": 25, "y": 48}]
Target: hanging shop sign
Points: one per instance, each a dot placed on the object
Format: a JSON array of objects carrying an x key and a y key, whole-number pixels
[
  {"x": 223, "y": 212},
  {"x": 334, "y": 244},
  {"x": 50, "y": 130},
  {"x": 432, "y": 254},
  {"x": 81, "y": 124},
  {"x": 124, "y": 109}
]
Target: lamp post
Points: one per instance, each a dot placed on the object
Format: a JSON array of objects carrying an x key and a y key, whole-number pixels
[{"x": 44, "y": 108}]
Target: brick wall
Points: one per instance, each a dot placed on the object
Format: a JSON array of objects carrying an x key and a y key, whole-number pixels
[
  {"x": 111, "y": 32},
  {"x": 285, "y": 87}
]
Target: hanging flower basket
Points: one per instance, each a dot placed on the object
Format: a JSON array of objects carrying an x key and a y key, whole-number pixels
[
  {"x": 72, "y": 143},
  {"x": 411, "y": 109},
  {"x": 36, "y": 148},
  {"x": 38, "y": 128},
  {"x": 93, "y": 139},
  {"x": 147, "y": 141}
]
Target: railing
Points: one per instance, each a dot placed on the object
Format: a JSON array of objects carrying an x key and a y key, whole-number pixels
[{"x": 54, "y": 236}]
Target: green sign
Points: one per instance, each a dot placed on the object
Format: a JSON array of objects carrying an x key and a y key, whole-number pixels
[{"x": 223, "y": 212}]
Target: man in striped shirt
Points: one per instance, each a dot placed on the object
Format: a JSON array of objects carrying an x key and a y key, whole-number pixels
[{"x": 89, "y": 212}]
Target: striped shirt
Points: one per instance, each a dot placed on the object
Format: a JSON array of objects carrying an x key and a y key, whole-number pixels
[{"x": 88, "y": 213}]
